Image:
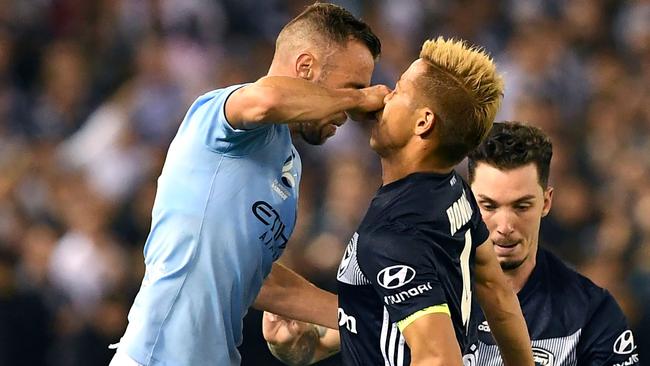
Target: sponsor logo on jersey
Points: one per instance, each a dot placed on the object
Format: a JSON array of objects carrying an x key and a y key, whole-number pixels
[
  {"x": 405, "y": 295},
  {"x": 624, "y": 344},
  {"x": 395, "y": 276},
  {"x": 281, "y": 191},
  {"x": 347, "y": 321},
  {"x": 634, "y": 359},
  {"x": 273, "y": 237},
  {"x": 484, "y": 327},
  {"x": 543, "y": 357}
]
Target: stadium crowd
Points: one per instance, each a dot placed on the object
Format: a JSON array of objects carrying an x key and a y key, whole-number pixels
[{"x": 92, "y": 92}]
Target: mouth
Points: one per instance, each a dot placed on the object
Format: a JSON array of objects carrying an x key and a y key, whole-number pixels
[{"x": 504, "y": 248}]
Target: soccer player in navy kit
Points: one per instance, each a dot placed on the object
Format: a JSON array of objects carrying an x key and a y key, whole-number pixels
[
  {"x": 226, "y": 200},
  {"x": 407, "y": 277},
  {"x": 571, "y": 321}
]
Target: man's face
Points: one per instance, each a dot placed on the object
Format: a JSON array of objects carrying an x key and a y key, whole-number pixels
[
  {"x": 512, "y": 203},
  {"x": 349, "y": 67},
  {"x": 394, "y": 127}
]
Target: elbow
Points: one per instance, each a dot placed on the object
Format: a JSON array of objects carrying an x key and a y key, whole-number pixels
[
  {"x": 264, "y": 104},
  {"x": 263, "y": 109}
]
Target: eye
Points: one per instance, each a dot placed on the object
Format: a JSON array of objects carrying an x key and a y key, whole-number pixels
[
  {"x": 522, "y": 207},
  {"x": 488, "y": 206}
]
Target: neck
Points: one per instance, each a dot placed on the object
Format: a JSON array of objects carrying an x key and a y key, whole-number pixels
[
  {"x": 519, "y": 276},
  {"x": 400, "y": 164}
]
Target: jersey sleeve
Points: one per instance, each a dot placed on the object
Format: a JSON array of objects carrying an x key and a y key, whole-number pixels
[
  {"x": 401, "y": 267},
  {"x": 207, "y": 121},
  {"x": 606, "y": 339}
]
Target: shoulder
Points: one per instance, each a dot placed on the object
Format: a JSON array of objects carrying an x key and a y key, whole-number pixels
[
  {"x": 214, "y": 101},
  {"x": 566, "y": 279},
  {"x": 393, "y": 243},
  {"x": 388, "y": 236},
  {"x": 579, "y": 292}
]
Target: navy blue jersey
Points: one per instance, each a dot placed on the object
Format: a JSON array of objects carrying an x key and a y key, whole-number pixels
[
  {"x": 413, "y": 250},
  {"x": 571, "y": 321}
]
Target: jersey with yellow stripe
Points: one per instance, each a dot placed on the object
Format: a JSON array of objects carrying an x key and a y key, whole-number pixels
[{"x": 412, "y": 255}]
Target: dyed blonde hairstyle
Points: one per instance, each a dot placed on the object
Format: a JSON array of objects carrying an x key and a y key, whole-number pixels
[{"x": 464, "y": 89}]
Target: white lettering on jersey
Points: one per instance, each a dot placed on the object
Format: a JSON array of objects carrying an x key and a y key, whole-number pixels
[
  {"x": 405, "y": 295},
  {"x": 459, "y": 214},
  {"x": 634, "y": 359},
  {"x": 347, "y": 321}
]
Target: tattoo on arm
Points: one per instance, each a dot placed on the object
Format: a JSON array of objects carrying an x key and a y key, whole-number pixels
[{"x": 301, "y": 352}]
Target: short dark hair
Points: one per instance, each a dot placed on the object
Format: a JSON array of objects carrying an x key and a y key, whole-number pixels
[
  {"x": 336, "y": 24},
  {"x": 510, "y": 145}
]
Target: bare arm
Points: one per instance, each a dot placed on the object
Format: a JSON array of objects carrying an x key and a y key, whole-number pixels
[
  {"x": 286, "y": 293},
  {"x": 432, "y": 341},
  {"x": 501, "y": 309},
  {"x": 282, "y": 99},
  {"x": 296, "y": 343}
]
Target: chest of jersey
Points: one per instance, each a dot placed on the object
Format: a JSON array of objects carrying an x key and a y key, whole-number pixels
[{"x": 243, "y": 200}]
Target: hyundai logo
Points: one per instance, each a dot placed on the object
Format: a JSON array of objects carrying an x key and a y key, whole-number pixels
[
  {"x": 395, "y": 276},
  {"x": 624, "y": 344}
]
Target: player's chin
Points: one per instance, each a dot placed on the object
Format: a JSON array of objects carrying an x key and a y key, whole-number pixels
[
  {"x": 319, "y": 136},
  {"x": 313, "y": 138},
  {"x": 509, "y": 263}
]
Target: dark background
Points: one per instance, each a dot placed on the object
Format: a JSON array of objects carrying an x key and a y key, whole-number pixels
[{"x": 91, "y": 93}]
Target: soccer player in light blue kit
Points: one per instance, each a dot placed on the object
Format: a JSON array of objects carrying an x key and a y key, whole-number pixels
[{"x": 226, "y": 200}]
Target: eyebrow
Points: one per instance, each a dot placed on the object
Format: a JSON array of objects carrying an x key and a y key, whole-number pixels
[{"x": 523, "y": 199}]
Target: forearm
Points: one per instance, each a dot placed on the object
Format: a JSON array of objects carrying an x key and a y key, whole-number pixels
[
  {"x": 279, "y": 99},
  {"x": 507, "y": 324},
  {"x": 287, "y": 294},
  {"x": 429, "y": 361}
]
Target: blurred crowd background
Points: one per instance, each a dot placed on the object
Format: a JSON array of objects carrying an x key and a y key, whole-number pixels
[{"x": 92, "y": 92}]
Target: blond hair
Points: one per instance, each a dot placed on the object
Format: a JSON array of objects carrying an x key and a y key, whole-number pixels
[{"x": 464, "y": 85}]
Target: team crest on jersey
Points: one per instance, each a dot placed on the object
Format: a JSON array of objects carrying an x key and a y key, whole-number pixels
[
  {"x": 288, "y": 178},
  {"x": 543, "y": 357},
  {"x": 350, "y": 250},
  {"x": 349, "y": 271}
]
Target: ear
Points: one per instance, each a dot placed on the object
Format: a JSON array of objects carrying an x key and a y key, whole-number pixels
[
  {"x": 548, "y": 201},
  {"x": 426, "y": 120},
  {"x": 305, "y": 64}
]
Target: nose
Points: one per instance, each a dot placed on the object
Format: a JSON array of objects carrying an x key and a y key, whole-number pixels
[{"x": 504, "y": 222}]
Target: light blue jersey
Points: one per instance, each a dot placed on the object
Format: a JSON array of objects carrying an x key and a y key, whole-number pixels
[{"x": 224, "y": 210}]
